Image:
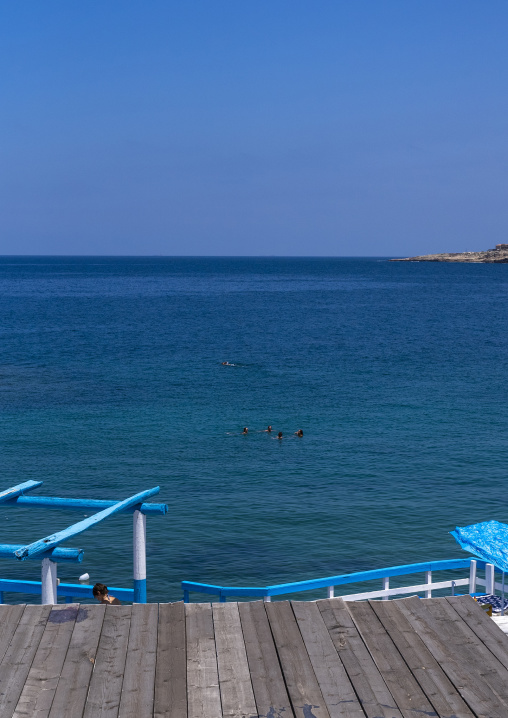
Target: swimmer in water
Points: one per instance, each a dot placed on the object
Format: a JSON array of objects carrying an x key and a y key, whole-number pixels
[
  {"x": 269, "y": 430},
  {"x": 226, "y": 363},
  {"x": 279, "y": 435},
  {"x": 245, "y": 431},
  {"x": 100, "y": 592},
  {"x": 299, "y": 432}
]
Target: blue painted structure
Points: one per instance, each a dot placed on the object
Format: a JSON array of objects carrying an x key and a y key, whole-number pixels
[
  {"x": 69, "y": 590},
  {"x": 59, "y": 555},
  {"x": 51, "y": 553},
  {"x": 54, "y": 502},
  {"x": 349, "y": 578},
  {"x": 38, "y": 547},
  {"x": 140, "y": 590},
  {"x": 16, "y": 491}
]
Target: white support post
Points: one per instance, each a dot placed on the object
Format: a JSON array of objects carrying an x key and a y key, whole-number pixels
[
  {"x": 428, "y": 581},
  {"x": 331, "y": 591},
  {"x": 472, "y": 576},
  {"x": 489, "y": 578},
  {"x": 139, "y": 556},
  {"x": 48, "y": 581},
  {"x": 386, "y": 586},
  {"x": 267, "y": 599}
]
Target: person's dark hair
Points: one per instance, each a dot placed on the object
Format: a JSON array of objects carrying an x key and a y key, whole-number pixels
[
  {"x": 99, "y": 590},
  {"x": 279, "y": 435}
]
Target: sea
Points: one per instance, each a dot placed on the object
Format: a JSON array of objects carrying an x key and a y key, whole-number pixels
[{"x": 112, "y": 382}]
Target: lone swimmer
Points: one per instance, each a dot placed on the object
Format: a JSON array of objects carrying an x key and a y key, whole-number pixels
[
  {"x": 100, "y": 592},
  {"x": 299, "y": 432},
  {"x": 245, "y": 431}
]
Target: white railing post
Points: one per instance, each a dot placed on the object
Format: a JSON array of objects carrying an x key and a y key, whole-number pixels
[
  {"x": 428, "y": 581},
  {"x": 139, "y": 556},
  {"x": 331, "y": 591},
  {"x": 48, "y": 582},
  {"x": 386, "y": 586},
  {"x": 472, "y": 576},
  {"x": 267, "y": 599},
  {"x": 489, "y": 578}
]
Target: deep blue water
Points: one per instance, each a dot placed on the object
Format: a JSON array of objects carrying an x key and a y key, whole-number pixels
[{"x": 111, "y": 382}]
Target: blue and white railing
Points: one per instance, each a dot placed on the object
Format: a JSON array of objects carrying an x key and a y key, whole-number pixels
[
  {"x": 472, "y": 580},
  {"x": 69, "y": 591},
  {"x": 49, "y": 551}
]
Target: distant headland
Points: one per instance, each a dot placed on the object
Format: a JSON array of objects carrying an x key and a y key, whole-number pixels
[{"x": 498, "y": 255}]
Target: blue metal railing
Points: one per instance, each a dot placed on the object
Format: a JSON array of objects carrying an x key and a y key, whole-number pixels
[
  {"x": 298, "y": 586},
  {"x": 69, "y": 590}
]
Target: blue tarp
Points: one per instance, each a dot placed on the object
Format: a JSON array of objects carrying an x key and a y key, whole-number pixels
[{"x": 488, "y": 541}]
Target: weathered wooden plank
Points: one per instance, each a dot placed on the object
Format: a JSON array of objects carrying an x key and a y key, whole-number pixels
[
  {"x": 434, "y": 682},
  {"x": 237, "y": 696},
  {"x": 171, "y": 671},
  {"x": 137, "y": 700},
  {"x": 10, "y": 616},
  {"x": 482, "y": 625},
  {"x": 333, "y": 680},
  {"x": 106, "y": 684},
  {"x": 42, "y": 680},
  {"x": 18, "y": 658},
  {"x": 459, "y": 663},
  {"x": 459, "y": 635},
  {"x": 410, "y": 699},
  {"x": 375, "y": 698},
  {"x": 270, "y": 692},
  {"x": 72, "y": 690},
  {"x": 303, "y": 687},
  {"x": 202, "y": 673}
]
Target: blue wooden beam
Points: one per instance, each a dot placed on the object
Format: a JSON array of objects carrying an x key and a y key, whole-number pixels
[
  {"x": 38, "y": 547},
  {"x": 60, "y": 555},
  {"x": 15, "y": 491},
  {"x": 55, "y": 502}
]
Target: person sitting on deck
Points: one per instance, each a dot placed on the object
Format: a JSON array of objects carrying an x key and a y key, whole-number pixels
[{"x": 100, "y": 592}]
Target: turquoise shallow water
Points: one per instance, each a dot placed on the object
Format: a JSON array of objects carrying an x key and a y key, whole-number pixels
[{"x": 111, "y": 382}]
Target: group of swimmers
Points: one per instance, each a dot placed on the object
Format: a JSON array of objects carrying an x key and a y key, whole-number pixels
[{"x": 269, "y": 431}]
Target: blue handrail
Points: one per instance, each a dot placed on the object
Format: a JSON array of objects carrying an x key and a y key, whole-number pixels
[
  {"x": 68, "y": 590},
  {"x": 298, "y": 586}
]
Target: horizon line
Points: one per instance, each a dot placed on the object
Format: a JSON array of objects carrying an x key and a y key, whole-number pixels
[{"x": 211, "y": 256}]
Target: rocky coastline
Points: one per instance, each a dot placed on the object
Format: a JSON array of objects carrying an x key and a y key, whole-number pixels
[{"x": 492, "y": 256}]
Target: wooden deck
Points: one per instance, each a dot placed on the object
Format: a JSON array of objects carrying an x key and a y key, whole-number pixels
[{"x": 408, "y": 658}]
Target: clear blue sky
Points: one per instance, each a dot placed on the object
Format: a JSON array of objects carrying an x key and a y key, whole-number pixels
[{"x": 253, "y": 127}]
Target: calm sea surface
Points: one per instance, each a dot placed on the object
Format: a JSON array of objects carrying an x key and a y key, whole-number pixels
[{"x": 111, "y": 382}]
